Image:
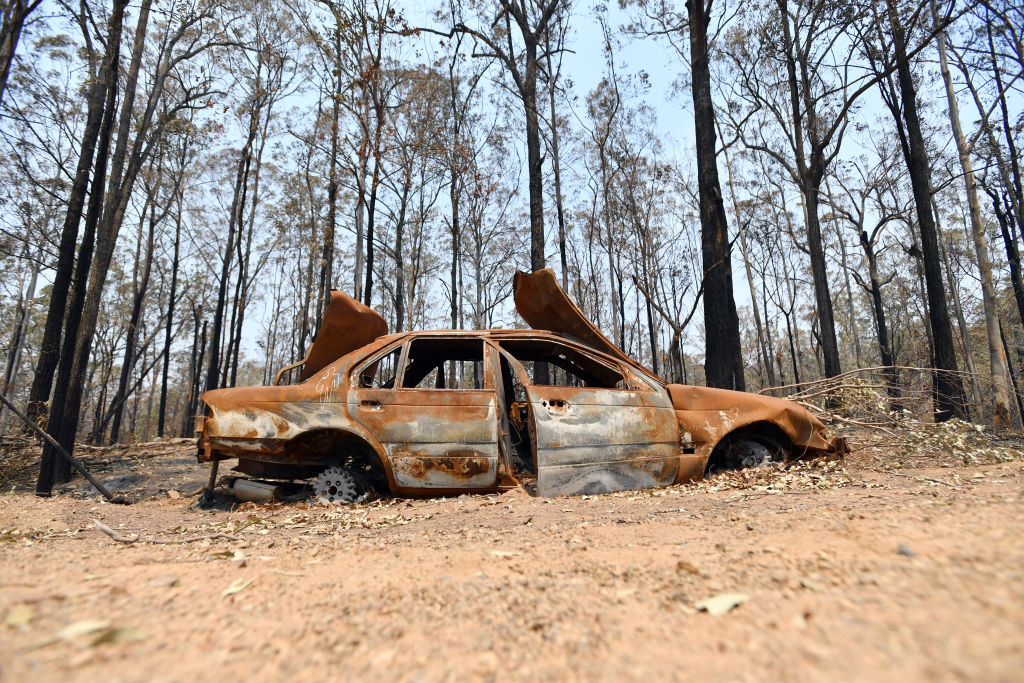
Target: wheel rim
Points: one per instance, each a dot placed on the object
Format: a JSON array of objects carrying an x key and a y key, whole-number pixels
[{"x": 337, "y": 485}]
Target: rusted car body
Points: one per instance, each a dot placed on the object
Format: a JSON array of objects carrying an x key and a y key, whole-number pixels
[{"x": 557, "y": 408}]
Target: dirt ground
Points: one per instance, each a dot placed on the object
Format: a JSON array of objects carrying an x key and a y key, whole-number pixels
[{"x": 872, "y": 569}]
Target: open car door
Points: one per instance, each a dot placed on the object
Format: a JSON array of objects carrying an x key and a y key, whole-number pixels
[{"x": 594, "y": 431}]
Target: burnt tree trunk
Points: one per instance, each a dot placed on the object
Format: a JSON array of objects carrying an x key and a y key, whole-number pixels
[
  {"x": 131, "y": 335},
  {"x": 15, "y": 13},
  {"x": 172, "y": 296},
  {"x": 50, "y": 345},
  {"x": 881, "y": 327},
  {"x": 115, "y": 203},
  {"x": 723, "y": 355},
  {"x": 102, "y": 107},
  {"x": 811, "y": 172},
  {"x": 947, "y": 388},
  {"x": 534, "y": 158}
]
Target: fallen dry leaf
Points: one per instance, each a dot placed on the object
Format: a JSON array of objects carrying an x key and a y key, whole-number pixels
[
  {"x": 237, "y": 586},
  {"x": 19, "y": 615},
  {"x": 80, "y": 628},
  {"x": 117, "y": 635},
  {"x": 812, "y": 585}
]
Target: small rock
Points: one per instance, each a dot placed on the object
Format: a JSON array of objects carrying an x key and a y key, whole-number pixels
[
  {"x": 684, "y": 566},
  {"x": 173, "y": 495},
  {"x": 720, "y": 604},
  {"x": 904, "y": 549}
]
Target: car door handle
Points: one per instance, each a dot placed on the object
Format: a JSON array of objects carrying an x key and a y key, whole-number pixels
[{"x": 370, "y": 404}]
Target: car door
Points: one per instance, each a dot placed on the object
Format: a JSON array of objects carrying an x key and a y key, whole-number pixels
[
  {"x": 438, "y": 435},
  {"x": 594, "y": 431}
]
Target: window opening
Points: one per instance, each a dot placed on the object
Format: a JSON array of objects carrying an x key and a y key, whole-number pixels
[
  {"x": 381, "y": 373},
  {"x": 444, "y": 363},
  {"x": 566, "y": 365}
]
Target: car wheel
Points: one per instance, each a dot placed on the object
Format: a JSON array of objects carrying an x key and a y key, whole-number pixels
[
  {"x": 745, "y": 452},
  {"x": 338, "y": 485}
]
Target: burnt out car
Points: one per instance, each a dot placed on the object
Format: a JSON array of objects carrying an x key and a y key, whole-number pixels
[{"x": 558, "y": 408}]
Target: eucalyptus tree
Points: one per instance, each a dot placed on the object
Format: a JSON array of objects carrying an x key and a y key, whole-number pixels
[
  {"x": 514, "y": 32},
  {"x": 103, "y": 67},
  {"x": 461, "y": 116},
  {"x": 723, "y": 351},
  {"x": 997, "y": 356},
  {"x": 12, "y": 22},
  {"x": 865, "y": 209},
  {"x": 791, "y": 98},
  {"x": 262, "y": 72},
  {"x": 988, "y": 51},
  {"x": 890, "y": 42},
  {"x": 187, "y": 31}
]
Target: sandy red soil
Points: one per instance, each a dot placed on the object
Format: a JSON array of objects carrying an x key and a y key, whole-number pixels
[{"x": 850, "y": 572}]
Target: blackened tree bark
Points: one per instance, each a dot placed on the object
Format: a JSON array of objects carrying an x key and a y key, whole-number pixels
[
  {"x": 172, "y": 296},
  {"x": 811, "y": 172},
  {"x": 723, "y": 355},
  {"x": 195, "y": 372},
  {"x": 97, "y": 131},
  {"x": 874, "y": 289},
  {"x": 115, "y": 203},
  {"x": 49, "y": 348},
  {"x": 117, "y": 404},
  {"x": 15, "y": 12},
  {"x": 244, "y": 158},
  {"x": 1004, "y": 215},
  {"x": 947, "y": 388}
]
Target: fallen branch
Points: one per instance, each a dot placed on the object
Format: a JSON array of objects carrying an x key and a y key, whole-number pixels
[
  {"x": 134, "y": 538},
  {"x": 120, "y": 500},
  {"x": 113, "y": 534},
  {"x": 846, "y": 420}
]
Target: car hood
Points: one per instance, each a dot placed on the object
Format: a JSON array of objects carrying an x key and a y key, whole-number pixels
[
  {"x": 544, "y": 305},
  {"x": 347, "y": 325}
]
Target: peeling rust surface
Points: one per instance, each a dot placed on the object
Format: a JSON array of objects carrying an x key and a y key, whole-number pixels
[
  {"x": 709, "y": 414},
  {"x": 581, "y": 439},
  {"x": 602, "y": 440},
  {"x": 457, "y": 468}
]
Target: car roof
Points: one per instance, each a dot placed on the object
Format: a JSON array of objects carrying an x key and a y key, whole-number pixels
[{"x": 499, "y": 333}]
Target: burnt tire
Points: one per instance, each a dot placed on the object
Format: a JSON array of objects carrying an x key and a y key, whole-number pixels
[
  {"x": 743, "y": 452},
  {"x": 341, "y": 486}
]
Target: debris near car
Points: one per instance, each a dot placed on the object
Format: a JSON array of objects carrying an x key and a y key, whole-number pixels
[{"x": 557, "y": 409}]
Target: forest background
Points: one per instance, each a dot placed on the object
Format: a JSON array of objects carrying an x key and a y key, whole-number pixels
[{"x": 747, "y": 195}]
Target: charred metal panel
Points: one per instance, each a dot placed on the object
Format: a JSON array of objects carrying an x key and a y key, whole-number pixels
[
  {"x": 602, "y": 440},
  {"x": 262, "y": 422},
  {"x": 544, "y": 305},
  {"x": 435, "y": 439},
  {"x": 445, "y": 466},
  {"x": 347, "y": 325},
  {"x": 709, "y": 414}
]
